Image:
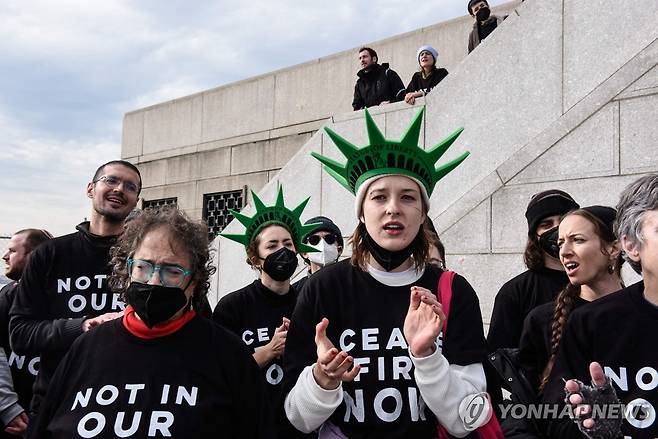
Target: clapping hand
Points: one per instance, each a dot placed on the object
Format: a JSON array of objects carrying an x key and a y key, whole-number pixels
[
  {"x": 423, "y": 322},
  {"x": 332, "y": 366}
]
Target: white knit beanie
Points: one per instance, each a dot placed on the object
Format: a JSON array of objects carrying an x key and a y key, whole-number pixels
[{"x": 361, "y": 192}]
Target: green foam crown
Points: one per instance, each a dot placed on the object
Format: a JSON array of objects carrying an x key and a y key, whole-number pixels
[
  {"x": 278, "y": 214},
  {"x": 384, "y": 156}
]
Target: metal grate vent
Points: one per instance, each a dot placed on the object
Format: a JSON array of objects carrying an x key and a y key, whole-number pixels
[
  {"x": 216, "y": 206},
  {"x": 154, "y": 204}
]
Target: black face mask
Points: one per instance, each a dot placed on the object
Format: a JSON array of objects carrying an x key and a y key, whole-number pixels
[
  {"x": 154, "y": 303},
  {"x": 548, "y": 242},
  {"x": 281, "y": 264},
  {"x": 483, "y": 14},
  {"x": 389, "y": 260}
]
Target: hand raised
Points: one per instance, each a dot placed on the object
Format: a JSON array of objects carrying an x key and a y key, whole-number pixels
[
  {"x": 582, "y": 397},
  {"x": 332, "y": 366},
  {"x": 278, "y": 342},
  {"x": 423, "y": 322}
]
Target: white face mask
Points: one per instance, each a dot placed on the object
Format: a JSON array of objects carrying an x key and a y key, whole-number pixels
[{"x": 327, "y": 254}]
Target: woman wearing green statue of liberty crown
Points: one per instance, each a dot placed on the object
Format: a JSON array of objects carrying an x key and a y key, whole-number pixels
[
  {"x": 259, "y": 313},
  {"x": 364, "y": 355}
]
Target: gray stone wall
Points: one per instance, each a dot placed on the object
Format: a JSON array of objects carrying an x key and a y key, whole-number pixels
[
  {"x": 555, "y": 98},
  {"x": 241, "y": 134}
]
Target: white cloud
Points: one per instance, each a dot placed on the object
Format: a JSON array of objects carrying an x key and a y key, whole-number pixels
[
  {"x": 72, "y": 68},
  {"x": 42, "y": 181}
]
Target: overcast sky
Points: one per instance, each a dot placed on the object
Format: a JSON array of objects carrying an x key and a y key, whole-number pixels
[{"x": 70, "y": 69}]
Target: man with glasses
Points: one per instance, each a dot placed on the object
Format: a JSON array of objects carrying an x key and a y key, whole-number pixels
[
  {"x": 63, "y": 291},
  {"x": 328, "y": 239}
]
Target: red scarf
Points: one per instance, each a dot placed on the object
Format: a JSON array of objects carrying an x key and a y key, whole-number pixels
[{"x": 139, "y": 329}]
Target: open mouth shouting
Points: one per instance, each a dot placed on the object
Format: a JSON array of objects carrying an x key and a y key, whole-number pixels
[
  {"x": 393, "y": 228},
  {"x": 571, "y": 268}
]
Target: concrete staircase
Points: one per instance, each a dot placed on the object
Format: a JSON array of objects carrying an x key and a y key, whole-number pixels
[{"x": 563, "y": 95}]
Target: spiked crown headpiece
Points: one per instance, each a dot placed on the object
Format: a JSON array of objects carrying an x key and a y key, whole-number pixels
[
  {"x": 278, "y": 214},
  {"x": 383, "y": 157}
]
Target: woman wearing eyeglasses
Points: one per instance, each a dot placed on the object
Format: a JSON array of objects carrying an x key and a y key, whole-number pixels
[
  {"x": 160, "y": 370},
  {"x": 260, "y": 312}
]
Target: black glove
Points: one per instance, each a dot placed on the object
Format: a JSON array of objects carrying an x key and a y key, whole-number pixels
[{"x": 601, "y": 400}]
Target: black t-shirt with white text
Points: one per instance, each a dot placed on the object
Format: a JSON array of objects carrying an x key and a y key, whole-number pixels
[
  {"x": 366, "y": 319},
  {"x": 618, "y": 331},
  {"x": 64, "y": 282},
  {"x": 23, "y": 368},
  {"x": 253, "y": 313},
  {"x": 199, "y": 382}
]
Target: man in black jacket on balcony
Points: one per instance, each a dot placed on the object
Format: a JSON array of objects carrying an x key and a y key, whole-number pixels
[{"x": 377, "y": 83}]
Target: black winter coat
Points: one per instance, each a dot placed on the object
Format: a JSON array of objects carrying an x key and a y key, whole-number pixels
[{"x": 376, "y": 84}]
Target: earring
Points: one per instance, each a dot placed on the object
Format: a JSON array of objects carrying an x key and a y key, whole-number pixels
[{"x": 611, "y": 269}]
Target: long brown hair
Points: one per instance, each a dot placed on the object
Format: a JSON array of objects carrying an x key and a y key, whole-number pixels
[
  {"x": 566, "y": 300},
  {"x": 533, "y": 255}
]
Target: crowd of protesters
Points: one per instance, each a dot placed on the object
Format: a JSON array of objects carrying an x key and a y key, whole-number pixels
[
  {"x": 107, "y": 332},
  {"x": 112, "y": 318}
]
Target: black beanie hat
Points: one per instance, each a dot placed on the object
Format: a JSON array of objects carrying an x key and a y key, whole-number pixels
[
  {"x": 326, "y": 225},
  {"x": 472, "y": 2},
  {"x": 605, "y": 214},
  {"x": 548, "y": 203}
]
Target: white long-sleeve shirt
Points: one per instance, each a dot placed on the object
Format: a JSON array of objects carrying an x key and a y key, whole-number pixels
[{"x": 442, "y": 386}]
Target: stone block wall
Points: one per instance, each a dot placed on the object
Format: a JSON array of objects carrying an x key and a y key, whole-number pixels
[
  {"x": 536, "y": 116},
  {"x": 239, "y": 135}
]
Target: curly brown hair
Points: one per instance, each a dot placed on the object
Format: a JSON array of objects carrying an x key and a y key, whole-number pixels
[
  {"x": 191, "y": 235},
  {"x": 252, "y": 252},
  {"x": 566, "y": 300}
]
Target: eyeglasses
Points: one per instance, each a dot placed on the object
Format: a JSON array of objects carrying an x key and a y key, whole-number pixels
[
  {"x": 315, "y": 239},
  {"x": 113, "y": 182},
  {"x": 170, "y": 275}
]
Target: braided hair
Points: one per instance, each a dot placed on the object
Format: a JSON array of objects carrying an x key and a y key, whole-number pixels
[{"x": 566, "y": 300}]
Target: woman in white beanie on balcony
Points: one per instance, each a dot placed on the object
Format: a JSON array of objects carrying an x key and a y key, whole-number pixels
[{"x": 427, "y": 77}]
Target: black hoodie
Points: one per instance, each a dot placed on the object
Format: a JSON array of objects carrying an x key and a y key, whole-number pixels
[{"x": 64, "y": 283}]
